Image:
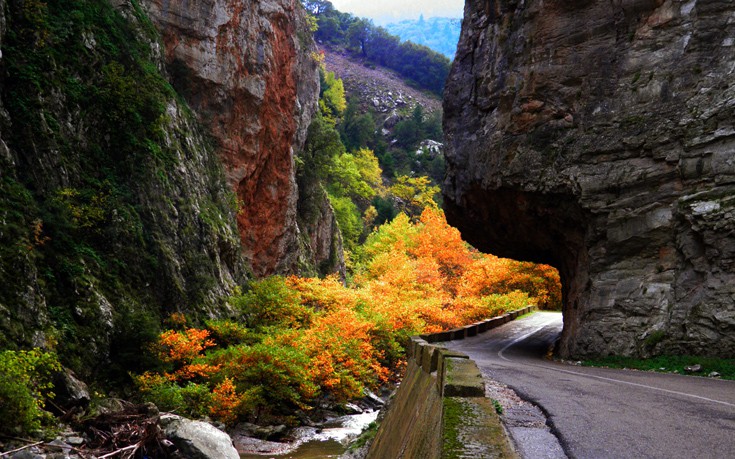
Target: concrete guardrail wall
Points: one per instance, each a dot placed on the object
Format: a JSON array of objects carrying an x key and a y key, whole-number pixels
[{"x": 440, "y": 410}]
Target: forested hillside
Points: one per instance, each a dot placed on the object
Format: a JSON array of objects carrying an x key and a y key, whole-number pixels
[
  {"x": 417, "y": 63},
  {"x": 439, "y": 34}
]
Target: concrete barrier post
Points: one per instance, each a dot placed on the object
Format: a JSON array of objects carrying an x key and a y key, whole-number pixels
[
  {"x": 444, "y": 354},
  {"x": 462, "y": 378},
  {"x": 470, "y": 330},
  {"x": 429, "y": 358}
]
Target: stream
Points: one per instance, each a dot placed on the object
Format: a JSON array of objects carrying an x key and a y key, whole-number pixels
[{"x": 329, "y": 441}]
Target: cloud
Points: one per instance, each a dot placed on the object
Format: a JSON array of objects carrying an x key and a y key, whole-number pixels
[{"x": 392, "y": 10}]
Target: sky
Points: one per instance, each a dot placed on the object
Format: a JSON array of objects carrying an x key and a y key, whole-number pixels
[{"x": 384, "y": 11}]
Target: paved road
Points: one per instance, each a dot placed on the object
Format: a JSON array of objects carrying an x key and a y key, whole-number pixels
[{"x": 606, "y": 413}]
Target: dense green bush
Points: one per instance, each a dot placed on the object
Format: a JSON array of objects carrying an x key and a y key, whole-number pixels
[
  {"x": 85, "y": 202},
  {"x": 272, "y": 375},
  {"x": 270, "y": 303},
  {"x": 348, "y": 219},
  {"x": 25, "y": 383}
]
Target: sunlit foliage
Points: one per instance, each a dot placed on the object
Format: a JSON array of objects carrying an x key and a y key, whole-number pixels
[
  {"x": 414, "y": 194},
  {"x": 25, "y": 384},
  {"x": 302, "y": 339},
  {"x": 332, "y": 102}
]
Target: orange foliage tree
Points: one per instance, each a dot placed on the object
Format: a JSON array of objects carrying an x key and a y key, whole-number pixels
[
  {"x": 426, "y": 278},
  {"x": 184, "y": 351},
  {"x": 304, "y": 337}
]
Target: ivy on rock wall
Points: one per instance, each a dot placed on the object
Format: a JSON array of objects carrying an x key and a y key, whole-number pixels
[{"x": 114, "y": 208}]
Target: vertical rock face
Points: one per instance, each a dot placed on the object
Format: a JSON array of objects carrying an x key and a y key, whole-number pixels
[
  {"x": 246, "y": 68},
  {"x": 115, "y": 210},
  {"x": 598, "y": 136}
]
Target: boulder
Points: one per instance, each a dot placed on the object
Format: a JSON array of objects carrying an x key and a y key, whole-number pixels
[
  {"x": 391, "y": 121},
  {"x": 197, "y": 439},
  {"x": 432, "y": 147},
  {"x": 69, "y": 390},
  {"x": 270, "y": 433}
]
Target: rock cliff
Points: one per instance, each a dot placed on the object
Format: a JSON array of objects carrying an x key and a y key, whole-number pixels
[
  {"x": 598, "y": 136},
  {"x": 114, "y": 207},
  {"x": 248, "y": 71},
  {"x": 116, "y": 198}
]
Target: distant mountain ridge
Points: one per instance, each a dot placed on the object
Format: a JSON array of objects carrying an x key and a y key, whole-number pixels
[{"x": 439, "y": 34}]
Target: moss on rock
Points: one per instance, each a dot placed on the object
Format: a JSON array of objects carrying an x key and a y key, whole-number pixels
[{"x": 117, "y": 209}]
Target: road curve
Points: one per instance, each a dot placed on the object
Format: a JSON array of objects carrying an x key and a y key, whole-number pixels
[{"x": 606, "y": 413}]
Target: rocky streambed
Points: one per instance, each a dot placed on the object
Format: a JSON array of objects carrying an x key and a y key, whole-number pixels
[
  {"x": 330, "y": 439},
  {"x": 140, "y": 430}
]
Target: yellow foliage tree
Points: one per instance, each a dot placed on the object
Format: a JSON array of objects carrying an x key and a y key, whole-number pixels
[
  {"x": 414, "y": 194},
  {"x": 308, "y": 336},
  {"x": 332, "y": 102}
]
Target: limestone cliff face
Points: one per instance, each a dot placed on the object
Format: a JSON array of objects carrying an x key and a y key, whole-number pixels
[
  {"x": 114, "y": 207},
  {"x": 598, "y": 136},
  {"x": 117, "y": 208},
  {"x": 247, "y": 70}
]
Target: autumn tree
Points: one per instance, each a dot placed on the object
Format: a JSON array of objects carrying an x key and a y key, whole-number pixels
[
  {"x": 414, "y": 194},
  {"x": 303, "y": 340},
  {"x": 332, "y": 102}
]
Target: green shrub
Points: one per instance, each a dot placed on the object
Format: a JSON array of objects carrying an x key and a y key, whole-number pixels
[
  {"x": 166, "y": 395},
  {"x": 348, "y": 220},
  {"x": 270, "y": 302},
  {"x": 197, "y": 399},
  {"x": 273, "y": 376},
  {"x": 192, "y": 399},
  {"x": 227, "y": 333},
  {"x": 25, "y": 382},
  {"x": 366, "y": 436},
  {"x": 497, "y": 304},
  {"x": 655, "y": 337}
]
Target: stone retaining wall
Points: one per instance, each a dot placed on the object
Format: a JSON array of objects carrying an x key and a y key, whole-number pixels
[{"x": 440, "y": 409}]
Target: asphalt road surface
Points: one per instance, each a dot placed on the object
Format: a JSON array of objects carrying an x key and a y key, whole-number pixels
[{"x": 607, "y": 413}]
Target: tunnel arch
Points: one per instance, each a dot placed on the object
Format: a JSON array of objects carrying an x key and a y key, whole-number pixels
[
  {"x": 530, "y": 226},
  {"x": 606, "y": 152}
]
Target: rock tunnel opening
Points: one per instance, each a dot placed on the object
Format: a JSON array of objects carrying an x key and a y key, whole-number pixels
[{"x": 538, "y": 227}]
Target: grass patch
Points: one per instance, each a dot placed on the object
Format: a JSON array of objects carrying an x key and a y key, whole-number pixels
[
  {"x": 669, "y": 364},
  {"x": 528, "y": 314},
  {"x": 498, "y": 407},
  {"x": 365, "y": 437}
]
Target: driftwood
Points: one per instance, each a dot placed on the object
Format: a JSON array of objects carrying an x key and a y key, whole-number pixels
[
  {"x": 131, "y": 433},
  {"x": 8, "y": 453},
  {"x": 125, "y": 452}
]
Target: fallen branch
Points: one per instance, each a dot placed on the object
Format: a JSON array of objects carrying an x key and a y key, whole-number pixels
[
  {"x": 8, "y": 453},
  {"x": 121, "y": 450},
  {"x": 24, "y": 440}
]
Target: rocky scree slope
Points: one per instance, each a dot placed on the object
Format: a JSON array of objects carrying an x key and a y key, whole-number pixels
[
  {"x": 116, "y": 198},
  {"x": 378, "y": 89},
  {"x": 598, "y": 136},
  {"x": 387, "y": 97}
]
